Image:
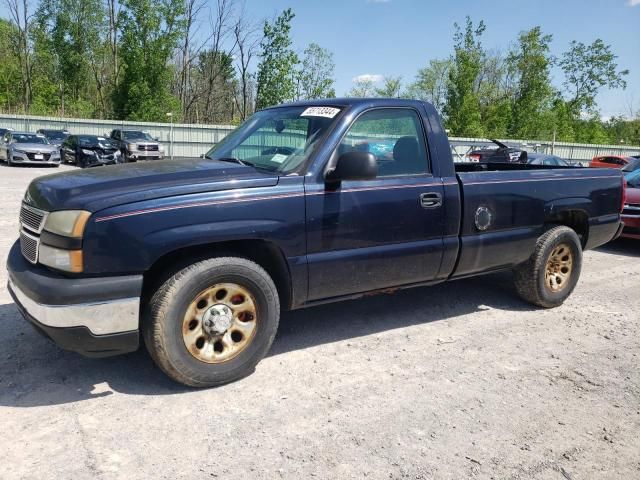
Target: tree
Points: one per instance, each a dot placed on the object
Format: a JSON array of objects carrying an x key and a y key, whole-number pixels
[
  {"x": 531, "y": 61},
  {"x": 68, "y": 40},
  {"x": 21, "y": 18},
  {"x": 316, "y": 75},
  {"x": 247, "y": 41},
  {"x": 431, "y": 83},
  {"x": 587, "y": 69},
  {"x": 391, "y": 87},
  {"x": 10, "y": 90},
  {"x": 150, "y": 33},
  {"x": 494, "y": 89},
  {"x": 278, "y": 61},
  {"x": 462, "y": 110},
  {"x": 363, "y": 87}
]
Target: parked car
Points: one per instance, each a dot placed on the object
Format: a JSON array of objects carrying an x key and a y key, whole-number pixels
[
  {"x": 137, "y": 145},
  {"x": 3, "y": 131},
  {"x": 634, "y": 164},
  {"x": 609, "y": 161},
  {"x": 199, "y": 256},
  {"x": 28, "y": 148},
  {"x": 631, "y": 212},
  {"x": 89, "y": 151},
  {"x": 547, "y": 160},
  {"x": 501, "y": 154},
  {"x": 55, "y": 137}
]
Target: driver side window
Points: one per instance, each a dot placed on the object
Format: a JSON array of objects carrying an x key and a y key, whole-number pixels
[{"x": 394, "y": 136}]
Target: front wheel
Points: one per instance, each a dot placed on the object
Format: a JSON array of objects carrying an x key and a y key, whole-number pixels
[
  {"x": 212, "y": 322},
  {"x": 552, "y": 272}
]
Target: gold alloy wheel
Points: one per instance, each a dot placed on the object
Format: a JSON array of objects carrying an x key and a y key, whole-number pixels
[
  {"x": 220, "y": 323},
  {"x": 558, "y": 269}
]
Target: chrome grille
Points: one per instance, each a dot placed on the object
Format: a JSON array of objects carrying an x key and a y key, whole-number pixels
[
  {"x": 32, "y": 156},
  {"x": 148, "y": 148},
  {"x": 32, "y": 218},
  {"x": 29, "y": 246}
]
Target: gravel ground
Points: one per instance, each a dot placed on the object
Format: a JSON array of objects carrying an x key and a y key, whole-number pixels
[{"x": 455, "y": 381}]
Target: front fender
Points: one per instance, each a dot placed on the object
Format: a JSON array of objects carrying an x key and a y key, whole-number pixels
[{"x": 132, "y": 238}]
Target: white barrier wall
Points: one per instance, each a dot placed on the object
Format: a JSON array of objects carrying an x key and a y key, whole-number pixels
[{"x": 192, "y": 140}]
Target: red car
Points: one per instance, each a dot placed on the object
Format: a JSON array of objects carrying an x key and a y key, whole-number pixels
[
  {"x": 610, "y": 161},
  {"x": 631, "y": 212}
]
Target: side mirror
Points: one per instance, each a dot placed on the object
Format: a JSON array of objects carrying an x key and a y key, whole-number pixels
[{"x": 353, "y": 166}]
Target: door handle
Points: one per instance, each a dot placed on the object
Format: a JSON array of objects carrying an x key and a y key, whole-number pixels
[{"x": 430, "y": 200}]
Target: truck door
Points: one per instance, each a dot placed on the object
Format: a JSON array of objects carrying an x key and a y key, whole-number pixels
[{"x": 380, "y": 233}]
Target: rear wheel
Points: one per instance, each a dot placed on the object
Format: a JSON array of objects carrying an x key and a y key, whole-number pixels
[
  {"x": 552, "y": 272},
  {"x": 212, "y": 322}
]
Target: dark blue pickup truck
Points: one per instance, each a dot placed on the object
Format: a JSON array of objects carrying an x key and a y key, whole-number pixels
[{"x": 304, "y": 203}]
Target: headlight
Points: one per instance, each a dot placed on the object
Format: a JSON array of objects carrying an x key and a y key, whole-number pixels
[
  {"x": 161, "y": 148},
  {"x": 67, "y": 260},
  {"x": 88, "y": 152},
  {"x": 68, "y": 223},
  {"x": 17, "y": 150},
  {"x": 131, "y": 146}
]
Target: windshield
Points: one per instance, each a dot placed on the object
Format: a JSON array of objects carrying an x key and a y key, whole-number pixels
[
  {"x": 278, "y": 139},
  {"x": 634, "y": 164},
  {"x": 29, "y": 138},
  {"x": 633, "y": 179},
  {"x": 136, "y": 135},
  {"x": 56, "y": 135},
  {"x": 90, "y": 141}
]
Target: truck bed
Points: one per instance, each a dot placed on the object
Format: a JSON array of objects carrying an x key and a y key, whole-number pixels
[
  {"x": 521, "y": 200},
  {"x": 502, "y": 166}
]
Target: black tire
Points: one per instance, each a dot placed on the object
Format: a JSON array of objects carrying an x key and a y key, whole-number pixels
[
  {"x": 530, "y": 280},
  {"x": 162, "y": 327}
]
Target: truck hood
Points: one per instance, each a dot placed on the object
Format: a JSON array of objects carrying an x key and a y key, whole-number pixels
[{"x": 104, "y": 187}]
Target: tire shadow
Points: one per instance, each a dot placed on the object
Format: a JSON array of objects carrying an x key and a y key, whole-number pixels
[
  {"x": 629, "y": 247},
  {"x": 35, "y": 372}
]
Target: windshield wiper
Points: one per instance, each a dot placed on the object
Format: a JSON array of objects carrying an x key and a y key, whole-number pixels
[{"x": 231, "y": 160}]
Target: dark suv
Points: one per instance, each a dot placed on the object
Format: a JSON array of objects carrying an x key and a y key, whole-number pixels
[{"x": 55, "y": 137}]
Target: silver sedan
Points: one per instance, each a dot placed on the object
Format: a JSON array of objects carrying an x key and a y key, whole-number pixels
[{"x": 28, "y": 148}]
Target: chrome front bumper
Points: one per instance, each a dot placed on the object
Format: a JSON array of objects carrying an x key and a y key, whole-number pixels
[
  {"x": 19, "y": 157},
  {"x": 101, "y": 318}
]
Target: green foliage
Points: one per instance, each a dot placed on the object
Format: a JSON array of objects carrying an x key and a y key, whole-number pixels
[
  {"x": 587, "y": 69},
  {"x": 462, "y": 110},
  {"x": 391, "y": 87},
  {"x": 623, "y": 131},
  {"x": 139, "y": 59},
  {"x": 150, "y": 32},
  {"x": 276, "y": 71},
  {"x": 431, "y": 83},
  {"x": 362, "y": 88},
  {"x": 531, "y": 61},
  {"x": 316, "y": 77},
  {"x": 10, "y": 91}
]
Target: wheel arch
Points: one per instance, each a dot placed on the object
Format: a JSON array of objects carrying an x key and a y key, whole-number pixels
[
  {"x": 265, "y": 253},
  {"x": 572, "y": 213}
]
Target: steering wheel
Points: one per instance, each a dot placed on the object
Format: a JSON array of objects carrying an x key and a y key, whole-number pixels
[{"x": 278, "y": 151}]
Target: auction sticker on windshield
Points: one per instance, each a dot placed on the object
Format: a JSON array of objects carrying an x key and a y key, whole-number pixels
[
  {"x": 278, "y": 158},
  {"x": 328, "y": 112}
]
